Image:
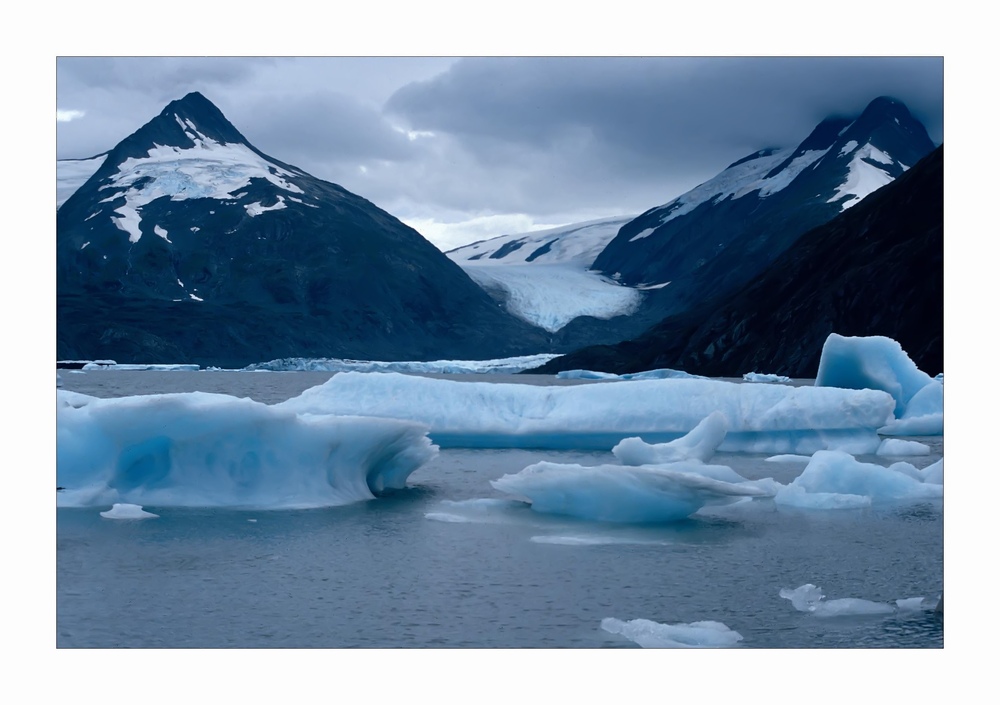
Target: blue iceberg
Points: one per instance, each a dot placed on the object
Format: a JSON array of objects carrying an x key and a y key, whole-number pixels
[
  {"x": 836, "y": 480},
  {"x": 877, "y": 362},
  {"x": 210, "y": 450},
  {"x": 759, "y": 417}
]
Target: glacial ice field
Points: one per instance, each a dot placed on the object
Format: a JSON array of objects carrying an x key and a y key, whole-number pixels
[{"x": 255, "y": 518}]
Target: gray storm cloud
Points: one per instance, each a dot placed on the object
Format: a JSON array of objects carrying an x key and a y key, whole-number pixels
[{"x": 554, "y": 139}]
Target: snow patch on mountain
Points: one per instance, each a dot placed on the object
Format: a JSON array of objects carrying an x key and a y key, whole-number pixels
[
  {"x": 209, "y": 169},
  {"x": 738, "y": 180},
  {"x": 578, "y": 243},
  {"x": 863, "y": 177}
]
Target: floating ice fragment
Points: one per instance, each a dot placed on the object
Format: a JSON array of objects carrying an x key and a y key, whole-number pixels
[
  {"x": 615, "y": 493},
  {"x": 128, "y": 511},
  {"x": 769, "y": 378},
  {"x": 913, "y": 604},
  {"x": 788, "y": 458},
  {"x": 809, "y": 598},
  {"x": 835, "y": 480},
  {"x": 653, "y": 635},
  {"x": 699, "y": 444}
]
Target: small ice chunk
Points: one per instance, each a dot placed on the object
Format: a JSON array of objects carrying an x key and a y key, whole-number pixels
[
  {"x": 653, "y": 635},
  {"x": 788, "y": 458},
  {"x": 809, "y": 598},
  {"x": 128, "y": 511},
  {"x": 767, "y": 378},
  {"x": 698, "y": 444},
  {"x": 836, "y": 473}
]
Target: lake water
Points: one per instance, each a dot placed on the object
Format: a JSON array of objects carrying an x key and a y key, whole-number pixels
[{"x": 451, "y": 562}]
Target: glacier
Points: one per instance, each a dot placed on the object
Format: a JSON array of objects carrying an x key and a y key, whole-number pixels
[
  {"x": 761, "y": 418},
  {"x": 212, "y": 450},
  {"x": 877, "y": 362},
  {"x": 653, "y": 635}
]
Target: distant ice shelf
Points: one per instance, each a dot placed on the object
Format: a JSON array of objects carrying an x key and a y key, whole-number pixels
[{"x": 506, "y": 365}]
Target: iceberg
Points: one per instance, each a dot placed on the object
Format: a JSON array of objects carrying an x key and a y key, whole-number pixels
[
  {"x": 809, "y": 598},
  {"x": 617, "y": 493},
  {"x": 836, "y": 480},
  {"x": 472, "y": 414},
  {"x": 210, "y": 450},
  {"x": 877, "y": 362},
  {"x": 653, "y": 635},
  {"x": 933, "y": 473},
  {"x": 924, "y": 415},
  {"x": 767, "y": 378},
  {"x": 699, "y": 444}
]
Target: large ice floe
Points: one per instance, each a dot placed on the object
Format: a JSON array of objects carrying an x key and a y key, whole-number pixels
[
  {"x": 836, "y": 480},
  {"x": 653, "y": 635},
  {"x": 880, "y": 363},
  {"x": 210, "y": 450},
  {"x": 760, "y": 417}
]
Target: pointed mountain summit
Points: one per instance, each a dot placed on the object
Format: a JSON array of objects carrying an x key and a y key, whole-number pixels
[
  {"x": 874, "y": 269},
  {"x": 190, "y": 244},
  {"x": 722, "y": 233}
]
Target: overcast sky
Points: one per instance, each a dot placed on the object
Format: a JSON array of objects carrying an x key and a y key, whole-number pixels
[{"x": 465, "y": 149}]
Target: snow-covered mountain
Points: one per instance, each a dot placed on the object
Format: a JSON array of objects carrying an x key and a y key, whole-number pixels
[
  {"x": 874, "y": 269},
  {"x": 577, "y": 244},
  {"x": 189, "y": 244},
  {"x": 544, "y": 276},
  {"x": 725, "y": 231},
  {"x": 609, "y": 280}
]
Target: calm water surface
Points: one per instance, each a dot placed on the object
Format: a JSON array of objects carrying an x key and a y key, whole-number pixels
[{"x": 450, "y": 562}]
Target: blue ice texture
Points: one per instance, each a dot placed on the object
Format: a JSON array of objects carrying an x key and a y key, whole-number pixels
[
  {"x": 836, "y": 480},
  {"x": 653, "y": 635},
  {"x": 211, "y": 450},
  {"x": 876, "y": 362},
  {"x": 761, "y": 418}
]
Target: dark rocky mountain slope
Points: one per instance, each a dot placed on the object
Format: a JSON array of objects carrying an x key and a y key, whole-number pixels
[
  {"x": 190, "y": 245},
  {"x": 875, "y": 269}
]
